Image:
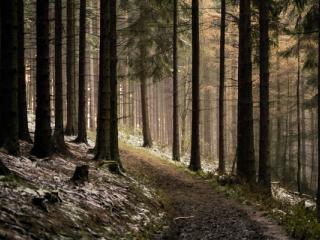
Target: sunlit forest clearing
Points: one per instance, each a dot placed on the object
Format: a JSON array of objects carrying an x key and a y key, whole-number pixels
[{"x": 147, "y": 119}]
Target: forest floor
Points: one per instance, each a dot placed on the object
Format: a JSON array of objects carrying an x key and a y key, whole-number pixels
[
  {"x": 156, "y": 199},
  {"x": 195, "y": 210}
]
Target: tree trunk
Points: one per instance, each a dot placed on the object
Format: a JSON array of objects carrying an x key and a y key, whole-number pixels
[
  {"x": 245, "y": 150},
  {"x": 304, "y": 181},
  {"x": 82, "y": 117},
  {"x": 298, "y": 122},
  {"x": 147, "y": 140},
  {"x": 278, "y": 157},
  {"x": 42, "y": 140},
  {"x": 264, "y": 148},
  {"x": 71, "y": 105},
  {"x": 103, "y": 119},
  {"x": 10, "y": 77},
  {"x": 114, "y": 144},
  {"x": 92, "y": 76},
  {"x": 313, "y": 148},
  {"x": 318, "y": 192},
  {"x": 195, "y": 163},
  {"x": 1, "y": 76},
  {"x": 222, "y": 167},
  {"x": 23, "y": 116},
  {"x": 58, "y": 138},
  {"x": 176, "y": 132}
]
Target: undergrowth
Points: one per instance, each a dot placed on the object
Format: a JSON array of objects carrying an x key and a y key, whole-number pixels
[{"x": 299, "y": 222}]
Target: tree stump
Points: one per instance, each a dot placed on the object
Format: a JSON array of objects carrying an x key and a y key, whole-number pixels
[
  {"x": 81, "y": 174},
  {"x": 4, "y": 171}
]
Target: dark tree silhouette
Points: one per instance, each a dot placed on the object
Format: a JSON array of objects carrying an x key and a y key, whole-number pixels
[
  {"x": 82, "y": 118},
  {"x": 318, "y": 192},
  {"x": 71, "y": 104},
  {"x": 147, "y": 139},
  {"x": 22, "y": 101},
  {"x": 1, "y": 75},
  {"x": 245, "y": 149},
  {"x": 102, "y": 149},
  {"x": 58, "y": 104},
  {"x": 195, "y": 164},
  {"x": 42, "y": 140},
  {"x": 221, "y": 87},
  {"x": 10, "y": 121},
  {"x": 264, "y": 148},
  {"x": 114, "y": 145}
]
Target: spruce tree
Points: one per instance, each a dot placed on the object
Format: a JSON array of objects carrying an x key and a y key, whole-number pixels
[
  {"x": 195, "y": 163},
  {"x": 10, "y": 84},
  {"x": 245, "y": 147},
  {"x": 42, "y": 139}
]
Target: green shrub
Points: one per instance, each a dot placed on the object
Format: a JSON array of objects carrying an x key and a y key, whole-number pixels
[{"x": 301, "y": 223}]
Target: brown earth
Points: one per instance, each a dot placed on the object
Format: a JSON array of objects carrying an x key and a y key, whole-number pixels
[{"x": 195, "y": 210}]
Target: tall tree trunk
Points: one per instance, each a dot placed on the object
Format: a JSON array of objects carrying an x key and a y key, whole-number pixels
[
  {"x": 176, "y": 132},
  {"x": 278, "y": 157},
  {"x": 22, "y": 101},
  {"x": 304, "y": 181},
  {"x": 284, "y": 159},
  {"x": 114, "y": 144},
  {"x": 264, "y": 148},
  {"x": 318, "y": 191},
  {"x": 195, "y": 162},
  {"x": 58, "y": 138},
  {"x": 71, "y": 105},
  {"x": 147, "y": 140},
  {"x": 298, "y": 122},
  {"x": 184, "y": 119},
  {"x": 10, "y": 77},
  {"x": 82, "y": 119},
  {"x": 92, "y": 75},
  {"x": 245, "y": 151},
  {"x": 42, "y": 139},
  {"x": 313, "y": 148},
  {"x": 103, "y": 119},
  {"x": 1, "y": 75},
  {"x": 221, "y": 87}
]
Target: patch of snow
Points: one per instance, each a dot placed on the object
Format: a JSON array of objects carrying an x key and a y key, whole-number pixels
[{"x": 208, "y": 166}]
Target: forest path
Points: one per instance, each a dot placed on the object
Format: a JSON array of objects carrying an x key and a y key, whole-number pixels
[{"x": 195, "y": 209}]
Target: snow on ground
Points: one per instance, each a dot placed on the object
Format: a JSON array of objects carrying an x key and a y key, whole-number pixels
[
  {"x": 208, "y": 166},
  {"x": 108, "y": 205},
  {"x": 292, "y": 198}
]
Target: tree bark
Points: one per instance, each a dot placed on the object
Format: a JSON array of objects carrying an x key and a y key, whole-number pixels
[
  {"x": 103, "y": 119},
  {"x": 71, "y": 105},
  {"x": 1, "y": 74},
  {"x": 279, "y": 146},
  {"x": 245, "y": 150},
  {"x": 221, "y": 168},
  {"x": 147, "y": 140},
  {"x": 42, "y": 140},
  {"x": 176, "y": 137},
  {"x": 23, "y": 115},
  {"x": 298, "y": 121},
  {"x": 318, "y": 191},
  {"x": 10, "y": 116},
  {"x": 82, "y": 119},
  {"x": 176, "y": 132},
  {"x": 264, "y": 148},
  {"x": 58, "y": 138},
  {"x": 114, "y": 144},
  {"x": 195, "y": 162}
]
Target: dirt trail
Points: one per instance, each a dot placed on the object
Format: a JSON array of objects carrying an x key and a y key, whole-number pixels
[{"x": 195, "y": 210}]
